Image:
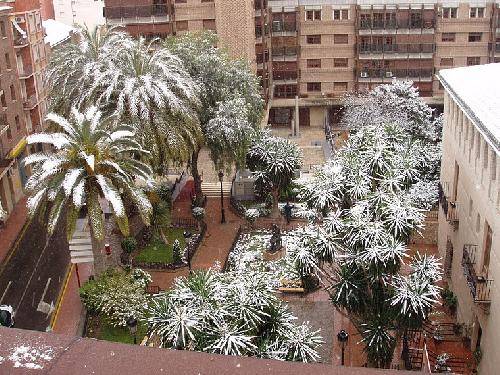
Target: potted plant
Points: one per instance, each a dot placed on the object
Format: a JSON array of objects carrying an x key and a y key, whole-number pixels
[
  {"x": 450, "y": 300},
  {"x": 442, "y": 363}
]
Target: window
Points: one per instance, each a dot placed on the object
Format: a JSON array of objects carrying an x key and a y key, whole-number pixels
[
  {"x": 9, "y": 133},
  {"x": 448, "y": 37},
  {"x": 2, "y": 29},
  {"x": 340, "y": 38},
  {"x": 209, "y": 25},
  {"x": 7, "y": 61},
  {"x": 12, "y": 92},
  {"x": 340, "y": 14},
  {"x": 18, "y": 122},
  {"x": 313, "y": 15},
  {"x": 340, "y": 86},
  {"x": 314, "y": 39},
  {"x": 478, "y": 222},
  {"x": 476, "y": 12},
  {"x": 340, "y": 62},
  {"x": 2, "y": 99},
  {"x": 488, "y": 239},
  {"x": 313, "y": 86},
  {"x": 181, "y": 25},
  {"x": 474, "y": 37},
  {"x": 476, "y": 60},
  {"x": 449, "y": 12},
  {"x": 447, "y": 61},
  {"x": 314, "y": 63},
  {"x": 471, "y": 207}
]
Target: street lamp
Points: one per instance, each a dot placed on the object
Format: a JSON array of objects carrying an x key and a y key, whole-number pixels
[
  {"x": 187, "y": 234},
  {"x": 223, "y": 218},
  {"x": 132, "y": 326},
  {"x": 342, "y": 337}
]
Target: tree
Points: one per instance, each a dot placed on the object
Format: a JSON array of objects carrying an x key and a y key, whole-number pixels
[
  {"x": 360, "y": 245},
  {"x": 274, "y": 161},
  {"x": 230, "y": 313},
  {"x": 400, "y": 103},
  {"x": 230, "y": 101},
  {"x": 117, "y": 295},
  {"x": 144, "y": 85},
  {"x": 93, "y": 160}
]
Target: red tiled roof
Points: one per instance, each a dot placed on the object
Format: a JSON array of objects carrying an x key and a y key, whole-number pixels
[{"x": 27, "y": 352}]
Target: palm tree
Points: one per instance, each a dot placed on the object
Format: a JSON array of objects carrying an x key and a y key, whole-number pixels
[
  {"x": 73, "y": 65},
  {"x": 149, "y": 85},
  {"x": 94, "y": 158}
]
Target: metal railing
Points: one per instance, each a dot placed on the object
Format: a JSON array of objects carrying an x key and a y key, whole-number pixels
[
  {"x": 452, "y": 214},
  {"x": 158, "y": 10},
  {"x": 284, "y": 51},
  {"x": 479, "y": 286},
  {"x": 25, "y": 71},
  {"x": 284, "y": 27},
  {"x": 285, "y": 75},
  {"x": 368, "y": 24},
  {"x": 398, "y": 73},
  {"x": 397, "y": 48}
]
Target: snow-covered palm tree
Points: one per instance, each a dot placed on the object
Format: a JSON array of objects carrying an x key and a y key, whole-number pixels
[
  {"x": 74, "y": 65},
  {"x": 94, "y": 159},
  {"x": 148, "y": 85}
]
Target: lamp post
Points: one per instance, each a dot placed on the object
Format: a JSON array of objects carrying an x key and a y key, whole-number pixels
[
  {"x": 342, "y": 337},
  {"x": 132, "y": 326},
  {"x": 223, "y": 215},
  {"x": 187, "y": 234}
]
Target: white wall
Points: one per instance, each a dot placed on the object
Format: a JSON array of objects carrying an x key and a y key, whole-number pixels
[{"x": 89, "y": 12}]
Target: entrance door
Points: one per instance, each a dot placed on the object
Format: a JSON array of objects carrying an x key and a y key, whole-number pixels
[{"x": 304, "y": 117}]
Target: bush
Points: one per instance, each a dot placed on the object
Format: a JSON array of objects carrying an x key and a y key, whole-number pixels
[
  {"x": 198, "y": 213},
  {"x": 164, "y": 193},
  {"x": 176, "y": 250},
  {"x": 449, "y": 299},
  {"x": 129, "y": 244},
  {"x": 117, "y": 295}
]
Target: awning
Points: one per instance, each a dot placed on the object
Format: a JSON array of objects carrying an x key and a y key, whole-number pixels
[
  {"x": 17, "y": 149},
  {"x": 18, "y": 28}
]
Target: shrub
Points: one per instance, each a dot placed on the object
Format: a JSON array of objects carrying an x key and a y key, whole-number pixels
[
  {"x": 449, "y": 299},
  {"x": 176, "y": 251},
  {"x": 198, "y": 213},
  {"x": 129, "y": 244},
  {"x": 117, "y": 295}
]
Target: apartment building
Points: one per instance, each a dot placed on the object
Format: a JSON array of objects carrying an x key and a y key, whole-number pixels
[
  {"x": 309, "y": 53},
  {"x": 469, "y": 218},
  {"x": 82, "y": 12},
  {"x": 22, "y": 65}
]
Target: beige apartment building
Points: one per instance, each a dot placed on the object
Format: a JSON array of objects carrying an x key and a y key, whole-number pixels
[
  {"x": 82, "y": 12},
  {"x": 309, "y": 53},
  {"x": 469, "y": 218},
  {"x": 23, "y": 59}
]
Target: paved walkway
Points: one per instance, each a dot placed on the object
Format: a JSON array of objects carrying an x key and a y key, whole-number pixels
[{"x": 12, "y": 227}]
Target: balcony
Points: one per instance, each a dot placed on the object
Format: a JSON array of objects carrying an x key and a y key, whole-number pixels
[
  {"x": 391, "y": 25},
  {"x": 424, "y": 50},
  {"x": 284, "y": 53},
  {"x": 479, "y": 286},
  {"x": 382, "y": 75},
  {"x": 21, "y": 41},
  {"x": 284, "y": 29},
  {"x": 30, "y": 102},
  {"x": 25, "y": 71},
  {"x": 285, "y": 77},
  {"x": 452, "y": 212},
  {"x": 138, "y": 12}
]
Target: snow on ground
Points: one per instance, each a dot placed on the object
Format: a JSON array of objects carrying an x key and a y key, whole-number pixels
[{"x": 29, "y": 357}]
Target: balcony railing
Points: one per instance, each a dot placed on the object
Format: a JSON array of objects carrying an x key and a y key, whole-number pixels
[
  {"x": 392, "y": 24},
  {"x": 396, "y": 48},
  {"x": 119, "y": 12},
  {"x": 397, "y": 73},
  {"x": 284, "y": 75},
  {"x": 284, "y": 52},
  {"x": 479, "y": 286},
  {"x": 25, "y": 71},
  {"x": 452, "y": 213},
  {"x": 30, "y": 102},
  {"x": 284, "y": 27}
]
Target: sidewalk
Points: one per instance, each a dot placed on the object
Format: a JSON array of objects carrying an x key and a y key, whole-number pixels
[{"x": 12, "y": 228}]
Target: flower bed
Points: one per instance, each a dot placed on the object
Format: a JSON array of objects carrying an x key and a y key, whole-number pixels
[{"x": 149, "y": 262}]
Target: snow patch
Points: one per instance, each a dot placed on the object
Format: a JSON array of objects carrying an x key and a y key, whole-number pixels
[{"x": 29, "y": 357}]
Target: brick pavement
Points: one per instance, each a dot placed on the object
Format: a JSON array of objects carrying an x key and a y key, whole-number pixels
[{"x": 12, "y": 227}]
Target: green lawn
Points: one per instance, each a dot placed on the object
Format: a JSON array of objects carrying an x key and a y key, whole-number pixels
[
  {"x": 120, "y": 334},
  {"x": 157, "y": 251}
]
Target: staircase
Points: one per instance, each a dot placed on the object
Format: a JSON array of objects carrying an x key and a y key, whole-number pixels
[
  {"x": 80, "y": 246},
  {"x": 212, "y": 189}
]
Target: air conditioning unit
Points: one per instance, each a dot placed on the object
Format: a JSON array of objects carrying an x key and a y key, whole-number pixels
[
  {"x": 364, "y": 74},
  {"x": 19, "y": 19},
  {"x": 388, "y": 74}
]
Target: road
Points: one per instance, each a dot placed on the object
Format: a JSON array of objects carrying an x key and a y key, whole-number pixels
[{"x": 31, "y": 279}]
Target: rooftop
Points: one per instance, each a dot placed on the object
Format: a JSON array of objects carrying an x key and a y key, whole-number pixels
[
  {"x": 476, "y": 89},
  {"x": 56, "y": 31},
  {"x": 26, "y": 352}
]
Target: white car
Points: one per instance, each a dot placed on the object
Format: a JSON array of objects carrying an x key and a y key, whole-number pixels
[{"x": 6, "y": 316}]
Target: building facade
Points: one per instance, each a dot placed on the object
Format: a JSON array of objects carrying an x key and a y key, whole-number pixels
[
  {"x": 82, "y": 12},
  {"x": 23, "y": 62},
  {"x": 317, "y": 50},
  {"x": 469, "y": 217}
]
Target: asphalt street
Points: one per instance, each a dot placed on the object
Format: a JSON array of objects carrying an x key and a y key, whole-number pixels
[{"x": 33, "y": 275}]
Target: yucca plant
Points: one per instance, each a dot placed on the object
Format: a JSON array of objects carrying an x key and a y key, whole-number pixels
[{"x": 94, "y": 158}]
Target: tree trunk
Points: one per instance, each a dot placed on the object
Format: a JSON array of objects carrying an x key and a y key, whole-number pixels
[
  {"x": 99, "y": 258},
  {"x": 159, "y": 143},
  {"x": 275, "y": 212},
  {"x": 196, "y": 175}
]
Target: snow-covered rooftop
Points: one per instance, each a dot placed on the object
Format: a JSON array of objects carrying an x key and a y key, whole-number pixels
[
  {"x": 476, "y": 89},
  {"x": 56, "y": 31}
]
